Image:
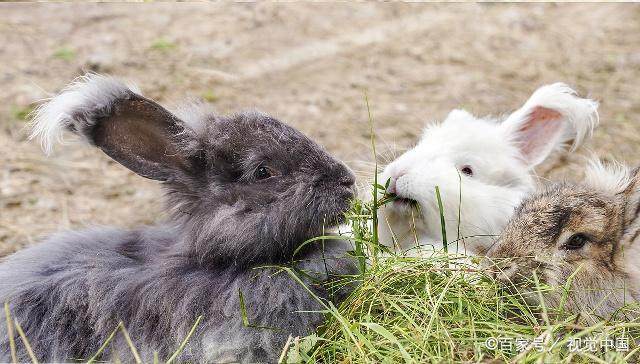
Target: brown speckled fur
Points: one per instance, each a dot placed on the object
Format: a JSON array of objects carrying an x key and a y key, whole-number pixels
[{"x": 605, "y": 209}]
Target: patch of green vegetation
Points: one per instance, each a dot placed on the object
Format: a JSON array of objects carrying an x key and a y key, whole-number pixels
[
  {"x": 65, "y": 54},
  {"x": 443, "y": 308},
  {"x": 163, "y": 45},
  {"x": 620, "y": 118},
  {"x": 437, "y": 307},
  {"x": 21, "y": 112},
  {"x": 210, "y": 96}
]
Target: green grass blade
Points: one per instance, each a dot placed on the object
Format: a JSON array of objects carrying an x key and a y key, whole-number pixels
[
  {"x": 25, "y": 342},
  {"x": 184, "y": 342},
  {"x": 132, "y": 347},
  {"x": 12, "y": 342},
  {"x": 389, "y": 336},
  {"x": 443, "y": 225},
  {"x": 104, "y": 345}
]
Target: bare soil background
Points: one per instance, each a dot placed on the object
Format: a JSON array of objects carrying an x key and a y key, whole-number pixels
[{"x": 309, "y": 65}]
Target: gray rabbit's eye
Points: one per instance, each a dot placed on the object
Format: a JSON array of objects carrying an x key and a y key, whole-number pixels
[
  {"x": 576, "y": 241},
  {"x": 263, "y": 172}
]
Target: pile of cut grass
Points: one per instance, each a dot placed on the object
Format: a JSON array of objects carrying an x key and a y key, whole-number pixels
[{"x": 444, "y": 308}]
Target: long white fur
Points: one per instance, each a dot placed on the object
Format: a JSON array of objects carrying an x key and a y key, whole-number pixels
[
  {"x": 92, "y": 92},
  {"x": 86, "y": 93},
  {"x": 581, "y": 114},
  {"x": 194, "y": 113},
  {"x": 610, "y": 178}
]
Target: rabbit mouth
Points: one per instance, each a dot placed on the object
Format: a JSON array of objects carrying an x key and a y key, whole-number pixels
[
  {"x": 335, "y": 213},
  {"x": 404, "y": 202}
]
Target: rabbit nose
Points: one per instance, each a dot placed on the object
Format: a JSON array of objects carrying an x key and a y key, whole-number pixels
[
  {"x": 347, "y": 181},
  {"x": 504, "y": 272}
]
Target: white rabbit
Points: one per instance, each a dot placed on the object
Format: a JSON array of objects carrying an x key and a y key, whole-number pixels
[{"x": 483, "y": 168}]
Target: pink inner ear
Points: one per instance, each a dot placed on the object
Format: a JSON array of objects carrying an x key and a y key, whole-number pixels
[
  {"x": 542, "y": 114},
  {"x": 538, "y": 132}
]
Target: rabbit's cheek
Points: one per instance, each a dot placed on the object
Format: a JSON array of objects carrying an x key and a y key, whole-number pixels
[{"x": 573, "y": 257}]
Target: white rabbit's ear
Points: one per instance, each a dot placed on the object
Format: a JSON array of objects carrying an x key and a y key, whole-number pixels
[
  {"x": 552, "y": 116},
  {"x": 133, "y": 130}
]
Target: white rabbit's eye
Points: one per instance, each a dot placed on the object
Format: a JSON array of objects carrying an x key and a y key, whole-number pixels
[
  {"x": 467, "y": 170},
  {"x": 263, "y": 172},
  {"x": 576, "y": 241}
]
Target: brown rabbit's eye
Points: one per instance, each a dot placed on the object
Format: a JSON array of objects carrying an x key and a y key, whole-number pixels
[
  {"x": 576, "y": 241},
  {"x": 467, "y": 170},
  {"x": 263, "y": 172}
]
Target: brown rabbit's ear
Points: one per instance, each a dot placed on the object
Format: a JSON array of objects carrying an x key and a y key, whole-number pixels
[
  {"x": 632, "y": 199},
  {"x": 619, "y": 181},
  {"x": 134, "y": 131},
  {"x": 552, "y": 116}
]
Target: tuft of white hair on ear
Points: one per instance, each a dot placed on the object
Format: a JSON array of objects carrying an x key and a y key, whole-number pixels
[
  {"x": 83, "y": 96},
  {"x": 195, "y": 113},
  {"x": 610, "y": 178},
  {"x": 581, "y": 114},
  {"x": 459, "y": 114}
]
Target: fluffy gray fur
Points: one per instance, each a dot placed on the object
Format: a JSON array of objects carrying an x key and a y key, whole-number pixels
[{"x": 229, "y": 225}]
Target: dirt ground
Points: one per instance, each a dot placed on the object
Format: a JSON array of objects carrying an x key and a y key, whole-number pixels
[{"x": 308, "y": 64}]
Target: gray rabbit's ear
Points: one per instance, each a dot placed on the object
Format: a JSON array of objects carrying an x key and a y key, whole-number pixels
[
  {"x": 552, "y": 116},
  {"x": 133, "y": 130}
]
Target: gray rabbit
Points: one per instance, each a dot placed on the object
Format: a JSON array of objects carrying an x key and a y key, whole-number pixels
[
  {"x": 583, "y": 236},
  {"x": 243, "y": 192}
]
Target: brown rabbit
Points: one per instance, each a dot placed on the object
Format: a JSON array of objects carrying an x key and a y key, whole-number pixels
[{"x": 584, "y": 237}]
